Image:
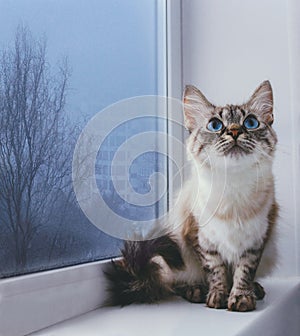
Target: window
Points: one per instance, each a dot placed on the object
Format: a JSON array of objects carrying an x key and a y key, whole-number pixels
[
  {"x": 145, "y": 37},
  {"x": 61, "y": 63}
]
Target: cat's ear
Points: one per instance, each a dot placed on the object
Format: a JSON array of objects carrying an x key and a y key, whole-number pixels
[
  {"x": 261, "y": 102},
  {"x": 196, "y": 107}
]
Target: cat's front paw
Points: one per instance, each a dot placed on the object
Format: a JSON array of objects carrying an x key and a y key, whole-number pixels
[
  {"x": 217, "y": 298},
  {"x": 241, "y": 303}
]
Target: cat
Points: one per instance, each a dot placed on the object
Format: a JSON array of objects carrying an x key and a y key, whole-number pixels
[{"x": 223, "y": 217}]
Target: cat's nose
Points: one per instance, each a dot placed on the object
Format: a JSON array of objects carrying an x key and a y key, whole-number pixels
[{"x": 234, "y": 130}]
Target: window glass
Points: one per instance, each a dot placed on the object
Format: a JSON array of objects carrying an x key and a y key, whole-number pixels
[{"x": 61, "y": 62}]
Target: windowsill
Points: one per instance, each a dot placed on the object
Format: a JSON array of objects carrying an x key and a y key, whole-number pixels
[
  {"x": 35, "y": 301},
  {"x": 278, "y": 314}
]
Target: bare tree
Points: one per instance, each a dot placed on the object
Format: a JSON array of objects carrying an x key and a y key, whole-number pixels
[{"x": 35, "y": 141}]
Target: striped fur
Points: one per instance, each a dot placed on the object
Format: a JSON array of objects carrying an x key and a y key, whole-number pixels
[
  {"x": 224, "y": 216},
  {"x": 137, "y": 277}
]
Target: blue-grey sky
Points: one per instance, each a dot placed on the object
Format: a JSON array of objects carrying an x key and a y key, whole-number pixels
[{"x": 110, "y": 44}]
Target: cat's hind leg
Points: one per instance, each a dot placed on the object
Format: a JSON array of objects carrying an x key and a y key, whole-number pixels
[
  {"x": 258, "y": 291},
  {"x": 193, "y": 293}
]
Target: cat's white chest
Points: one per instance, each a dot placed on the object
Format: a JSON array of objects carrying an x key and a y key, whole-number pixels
[
  {"x": 235, "y": 219},
  {"x": 231, "y": 239}
]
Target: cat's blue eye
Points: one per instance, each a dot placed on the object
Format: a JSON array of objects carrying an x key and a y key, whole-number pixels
[
  {"x": 215, "y": 125},
  {"x": 251, "y": 122}
]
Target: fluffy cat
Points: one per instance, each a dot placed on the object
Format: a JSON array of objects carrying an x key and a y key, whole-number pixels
[{"x": 223, "y": 217}]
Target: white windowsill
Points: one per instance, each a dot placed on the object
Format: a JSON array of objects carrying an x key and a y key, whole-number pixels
[
  {"x": 35, "y": 301},
  {"x": 278, "y": 314}
]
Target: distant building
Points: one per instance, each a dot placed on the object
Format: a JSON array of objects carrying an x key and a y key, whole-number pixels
[{"x": 128, "y": 176}]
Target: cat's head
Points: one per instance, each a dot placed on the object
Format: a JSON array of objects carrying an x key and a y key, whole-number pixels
[{"x": 235, "y": 132}]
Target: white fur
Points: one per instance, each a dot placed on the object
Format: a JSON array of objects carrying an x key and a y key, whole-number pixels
[
  {"x": 225, "y": 185},
  {"x": 234, "y": 189}
]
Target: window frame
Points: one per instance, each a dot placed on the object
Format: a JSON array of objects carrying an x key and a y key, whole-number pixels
[
  {"x": 35, "y": 301},
  {"x": 293, "y": 7}
]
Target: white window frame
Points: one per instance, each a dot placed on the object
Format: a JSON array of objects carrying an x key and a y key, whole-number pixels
[
  {"x": 32, "y": 302},
  {"x": 293, "y": 7}
]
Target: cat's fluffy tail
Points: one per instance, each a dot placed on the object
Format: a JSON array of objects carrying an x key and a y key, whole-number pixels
[{"x": 137, "y": 277}]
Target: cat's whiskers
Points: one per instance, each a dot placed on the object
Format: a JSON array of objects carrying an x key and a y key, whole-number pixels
[
  {"x": 280, "y": 148},
  {"x": 247, "y": 147},
  {"x": 251, "y": 142},
  {"x": 263, "y": 153},
  {"x": 219, "y": 145},
  {"x": 258, "y": 172}
]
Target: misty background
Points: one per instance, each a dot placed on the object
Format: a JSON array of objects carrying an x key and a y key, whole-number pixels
[{"x": 107, "y": 51}]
